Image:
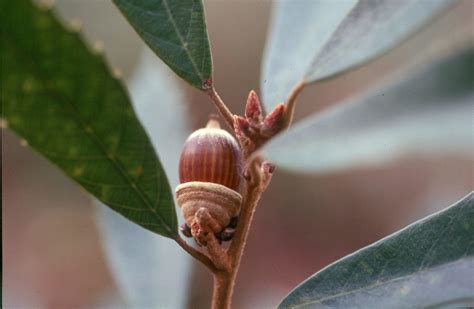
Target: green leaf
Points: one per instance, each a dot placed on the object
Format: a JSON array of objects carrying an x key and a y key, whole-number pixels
[
  {"x": 426, "y": 112},
  {"x": 176, "y": 32},
  {"x": 428, "y": 263},
  {"x": 317, "y": 39},
  {"x": 63, "y": 100},
  {"x": 139, "y": 277}
]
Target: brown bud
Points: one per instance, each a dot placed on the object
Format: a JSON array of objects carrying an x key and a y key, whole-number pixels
[
  {"x": 274, "y": 122},
  {"x": 210, "y": 172},
  {"x": 241, "y": 127},
  {"x": 253, "y": 108},
  {"x": 268, "y": 167}
]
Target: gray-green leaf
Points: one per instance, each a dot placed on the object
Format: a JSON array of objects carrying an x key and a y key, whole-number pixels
[
  {"x": 176, "y": 32},
  {"x": 316, "y": 39},
  {"x": 427, "y": 112},
  {"x": 428, "y": 263},
  {"x": 63, "y": 101}
]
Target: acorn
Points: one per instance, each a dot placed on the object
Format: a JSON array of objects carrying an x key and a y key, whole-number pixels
[{"x": 210, "y": 172}]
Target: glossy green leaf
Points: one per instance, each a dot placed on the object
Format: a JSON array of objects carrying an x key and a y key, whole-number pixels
[
  {"x": 176, "y": 32},
  {"x": 427, "y": 112},
  {"x": 428, "y": 263},
  {"x": 315, "y": 39},
  {"x": 63, "y": 100}
]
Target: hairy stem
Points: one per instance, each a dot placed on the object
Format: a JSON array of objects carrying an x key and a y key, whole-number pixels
[
  {"x": 224, "y": 282},
  {"x": 198, "y": 255},
  {"x": 223, "y": 290},
  {"x": 221, "y": 107}
]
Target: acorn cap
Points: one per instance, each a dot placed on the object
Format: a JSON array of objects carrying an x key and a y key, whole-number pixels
[{"x": 221, "y": 202}]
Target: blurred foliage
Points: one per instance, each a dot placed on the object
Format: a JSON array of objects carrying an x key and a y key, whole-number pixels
[
  {"x": 428, "y": 111},
  {"x": 64, "y": 102},
  {"x": 315, "y": 40}
]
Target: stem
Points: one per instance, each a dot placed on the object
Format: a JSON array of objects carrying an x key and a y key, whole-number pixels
[
  {"x": 291, "y": 102},
  {"x": 221, "y": 107},
  {"x": 198, "y": 255},
  {"x": 224, "y": 281},
  {"x": 224, "y": 264},
  {"x": 223, "y": 290}
]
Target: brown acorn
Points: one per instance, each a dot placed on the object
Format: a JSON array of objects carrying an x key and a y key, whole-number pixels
[{"x": 210, "y": 172}]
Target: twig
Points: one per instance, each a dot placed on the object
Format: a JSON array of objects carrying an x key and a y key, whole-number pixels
[
  {"x": 221, "y": 107},
  {"x": 224, "y": 281},
  {"x": 196, "y": 254},
  {"x": 291, "y": 102},
  {"x": 224, "y": 264}
]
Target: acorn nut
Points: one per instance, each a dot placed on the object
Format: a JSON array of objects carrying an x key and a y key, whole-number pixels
[{"x": 210, "y": 172}]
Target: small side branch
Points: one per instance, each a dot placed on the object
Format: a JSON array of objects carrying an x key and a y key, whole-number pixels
[{"x": 196, "y": 254}]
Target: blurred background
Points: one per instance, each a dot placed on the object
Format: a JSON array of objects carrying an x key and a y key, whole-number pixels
[{"x": 52, "y": 245}]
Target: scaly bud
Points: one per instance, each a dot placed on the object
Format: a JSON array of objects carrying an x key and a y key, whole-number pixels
[
  {"x": 241, "y": 126},
  {"x": 274, "y": 122},
  {"x": 268, "y": 167},
  {"x": 253, "y": 109}
]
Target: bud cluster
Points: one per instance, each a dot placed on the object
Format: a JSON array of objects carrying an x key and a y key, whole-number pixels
[{"x": 254, "y": 130}]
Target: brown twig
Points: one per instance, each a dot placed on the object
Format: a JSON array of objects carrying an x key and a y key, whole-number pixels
[
  {"x": 224, "y": 282},
  {"x": 198, "y": 255},
  {"x": 291, "y": 102},
  {"x": 224, "y": 264},
  {"x": 221, "y": 107}
]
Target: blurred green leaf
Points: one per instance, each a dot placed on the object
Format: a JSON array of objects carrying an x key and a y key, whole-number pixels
[
  {"x": 428, "y": 263},
  {"x": 176, "y": 32},
  {"x": 63, "y": 100},
  {"x": 139, "y": 277},
  {"x": 426, "y": 112},
  {"x": 316, "y": 39}
]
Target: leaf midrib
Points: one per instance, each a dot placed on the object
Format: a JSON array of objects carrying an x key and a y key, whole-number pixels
[
  {"x": 178, "y": 34},
  {"x": 181, "y": 39},
  {"x": 118, "y": 165}
]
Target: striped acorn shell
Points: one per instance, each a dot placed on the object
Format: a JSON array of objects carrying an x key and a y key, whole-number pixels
[{"x": 211, "y": 155}]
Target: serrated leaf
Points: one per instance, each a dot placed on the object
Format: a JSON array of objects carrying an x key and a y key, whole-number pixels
[
  {"x": 157, "y": 277},
  {"x": 316, "y": 39},
  {"x": 426, "y": 112},
  {"x": 428, "y": 263},
  {"x": 176, "y": 32},
  {"x": 63, "y": 100}
]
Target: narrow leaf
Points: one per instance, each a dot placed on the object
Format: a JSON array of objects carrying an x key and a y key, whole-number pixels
[
  {"x": 63, "y": 100},
  {"x": 157, "y": 277},
  {"x": 314, "y": 40},
  {"x": 428, "y": 263},
  {"x": 176, "y": 32},
  {"x": 427, "y": 112}
]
